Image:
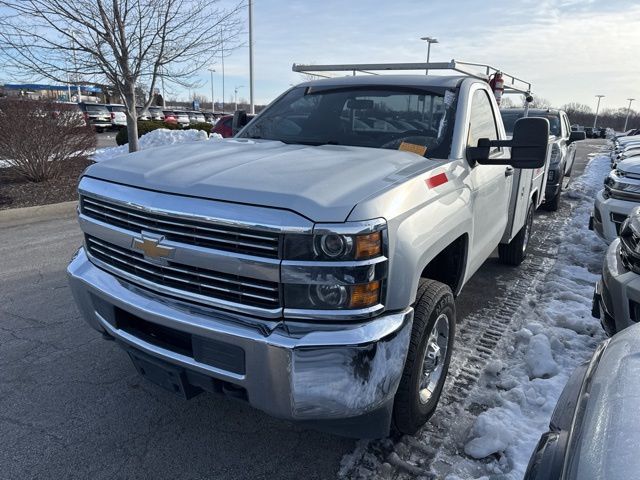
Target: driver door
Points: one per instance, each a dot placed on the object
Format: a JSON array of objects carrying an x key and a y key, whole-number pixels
[{"x": 490, "y": 184}]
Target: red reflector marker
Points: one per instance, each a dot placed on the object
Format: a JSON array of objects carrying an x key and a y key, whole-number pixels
[{"x": 436, "y": 180}]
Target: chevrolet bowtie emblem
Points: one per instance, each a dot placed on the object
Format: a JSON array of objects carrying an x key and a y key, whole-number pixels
[{"x": 151, "y": 247}]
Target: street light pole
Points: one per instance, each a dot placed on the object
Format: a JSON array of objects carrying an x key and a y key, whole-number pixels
[
  {"x": 75, "y": 63},
  {"x": 213, "y": 102},
  {"x": 236, "y": 95},
  {"x": 595, "y": 120},
  {"x": 429, "y": 41},
  {"x": 251, "y": 106},
  {"x": 222, "y": 61},
  {"x": 628, "y": 111},
  {"x": 164, "y": 97}
]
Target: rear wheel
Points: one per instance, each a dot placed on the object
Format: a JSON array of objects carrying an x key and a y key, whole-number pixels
[
  {"x": 515, "y": 252},
  {"x": 428, "y": 358}
]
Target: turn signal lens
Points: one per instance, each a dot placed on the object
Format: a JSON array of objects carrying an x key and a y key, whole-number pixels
[
  {"x": 368, "y": 246},
  {"x": 365, "y": 295}
]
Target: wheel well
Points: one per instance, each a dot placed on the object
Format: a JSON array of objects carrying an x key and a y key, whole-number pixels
[
  {"x": 448, "y": 266},
  {"x": 534, "y": 197}
]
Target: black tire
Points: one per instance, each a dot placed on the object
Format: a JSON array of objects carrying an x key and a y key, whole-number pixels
[
  {"x": 433, "y": 300},
  {"x": 553, "y": 204},
  {"x": 515, "y": 252},
  {"x": 568, "y": 172}
]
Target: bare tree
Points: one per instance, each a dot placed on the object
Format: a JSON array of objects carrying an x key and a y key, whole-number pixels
[{"x": 123, "y": 42}]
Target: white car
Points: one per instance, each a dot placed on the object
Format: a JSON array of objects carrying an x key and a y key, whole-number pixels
[
  {"x": 118, "y": 116},
  {"x": 620, "y": 195}
]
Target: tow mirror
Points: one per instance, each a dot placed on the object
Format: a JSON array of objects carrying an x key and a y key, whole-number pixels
[
  {"x": 528, "y": 145},
  {"x": 576, "y": 136},
  {"x": 239, "y": 121}
]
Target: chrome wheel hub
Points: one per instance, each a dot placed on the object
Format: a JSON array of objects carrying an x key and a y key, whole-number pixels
[{"x": 434, "y": 357}]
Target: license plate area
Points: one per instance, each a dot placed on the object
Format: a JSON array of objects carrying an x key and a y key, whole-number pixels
[{"x": 168, "y": 376}]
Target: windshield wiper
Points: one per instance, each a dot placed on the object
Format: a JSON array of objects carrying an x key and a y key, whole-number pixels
[{"x": 309, "y": 142}]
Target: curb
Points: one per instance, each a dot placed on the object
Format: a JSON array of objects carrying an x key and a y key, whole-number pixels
[{"x": 19, "y": 216}]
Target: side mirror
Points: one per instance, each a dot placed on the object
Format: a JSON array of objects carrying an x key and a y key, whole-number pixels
[
  {"x": 528, "y": 145},
  {"x": 577, "y": 136},
  {"x": 239, "y": 121}
]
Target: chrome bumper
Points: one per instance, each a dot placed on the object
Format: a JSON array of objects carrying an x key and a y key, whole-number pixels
[
  {"x": 617, "y": 290},
  {"x": 329, "y": 374}
]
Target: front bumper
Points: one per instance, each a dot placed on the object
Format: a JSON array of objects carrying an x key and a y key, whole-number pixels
[
  {"x": 341, "y": 378},
  {"x": 616, "y": 293},
  {"x": 608, "y": 215}
]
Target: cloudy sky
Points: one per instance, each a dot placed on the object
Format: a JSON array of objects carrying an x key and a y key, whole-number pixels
[{"x": 570, "y": 50}]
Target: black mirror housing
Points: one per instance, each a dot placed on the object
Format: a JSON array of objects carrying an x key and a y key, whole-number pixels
[
  {"x": 528, "y": 145},
  {"x": 577, "y": 136},
  {"x": 239, "y": 121}
]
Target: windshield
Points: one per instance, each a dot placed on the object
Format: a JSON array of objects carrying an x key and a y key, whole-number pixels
[
  {"x": 97, "y": 108},
  {"x": 118, "y": 108},
  {"x": 360, "y": 116},
  {"x": 509, "y": 119}
]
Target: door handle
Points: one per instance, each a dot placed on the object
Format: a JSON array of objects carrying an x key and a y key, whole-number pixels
[{"x": 508, "y": 171}]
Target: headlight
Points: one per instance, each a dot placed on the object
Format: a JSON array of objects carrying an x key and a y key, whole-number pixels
[
  {"x": 332, "y": 296},
  {"x": 555, "y": 153},
  {"x": 617, "y": 187},
  {"x": 338, "y": 271},
  {"x": 333, "y": 246}
]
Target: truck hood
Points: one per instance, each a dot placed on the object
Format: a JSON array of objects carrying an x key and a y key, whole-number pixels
[
  {"x": 630, "y": 165},
  {"x": 322, "y": 183}
]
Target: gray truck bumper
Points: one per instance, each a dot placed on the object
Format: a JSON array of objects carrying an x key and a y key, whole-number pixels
[
  {"x": 342, "y": 379},
  {"x": 616, "y": 293}
]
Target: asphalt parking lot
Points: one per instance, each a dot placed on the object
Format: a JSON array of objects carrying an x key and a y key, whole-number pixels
[
  {"x": 106, "y": 139},
  {"x": 72, "y": 405}
]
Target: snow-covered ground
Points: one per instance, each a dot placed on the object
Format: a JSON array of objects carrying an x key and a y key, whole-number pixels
[
  {"x": 557, "y": 333},
  {"x": 550, "y": 334},
  {"x": 155, "y": 138}
]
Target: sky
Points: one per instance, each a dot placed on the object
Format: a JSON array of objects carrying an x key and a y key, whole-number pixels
[{"x": 570, "y": 50}]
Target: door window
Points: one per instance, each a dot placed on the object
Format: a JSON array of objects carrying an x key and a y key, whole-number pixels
[{"x": 483, "y": 122}]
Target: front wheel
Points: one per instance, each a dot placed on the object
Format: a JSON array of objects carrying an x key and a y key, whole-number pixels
[
  {"x": 553, "y": 204},
  {"x": 514, "y": 252},
  {"x": 428, "y": 358}
]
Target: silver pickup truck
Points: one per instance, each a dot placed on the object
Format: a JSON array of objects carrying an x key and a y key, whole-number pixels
[{"x": 310, "y": 265}]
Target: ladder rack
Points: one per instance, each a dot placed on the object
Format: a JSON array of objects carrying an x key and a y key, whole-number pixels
[{"x": 512, "y": 84}]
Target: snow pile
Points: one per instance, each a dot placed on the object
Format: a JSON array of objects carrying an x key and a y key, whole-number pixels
[
  {"x": 156, "y": 138},
  {"x": 556, "y": 334}
]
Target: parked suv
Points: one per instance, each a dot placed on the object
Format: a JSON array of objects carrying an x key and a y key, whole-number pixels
[
  {"x": 616, "y": 300},
  {"x": 309, "y": 266},
  {"x": 118, "y": 116},
  {"x": 156, "y": 113},
  {"x": 224, "y": 125},
  {"x": 620, "y": 195},
  {"x": 96, "y": 115},
  {"x": 563, "y": 151}
]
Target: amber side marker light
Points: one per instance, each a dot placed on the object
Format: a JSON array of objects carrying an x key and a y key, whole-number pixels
[
  {"x": 368, "y": 246},
  {"x": 365, "y": 295}
]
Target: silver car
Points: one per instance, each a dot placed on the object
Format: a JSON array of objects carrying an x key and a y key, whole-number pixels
[
  {"x": 156, "y": 113},
  {"x": 196, "y": 117},
  {"x": 595, "y": 426}
]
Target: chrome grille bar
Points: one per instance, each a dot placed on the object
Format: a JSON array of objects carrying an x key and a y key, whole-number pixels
[
  {"x": 183, "y": 230},
  {"x": 204, "y": 282}
]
